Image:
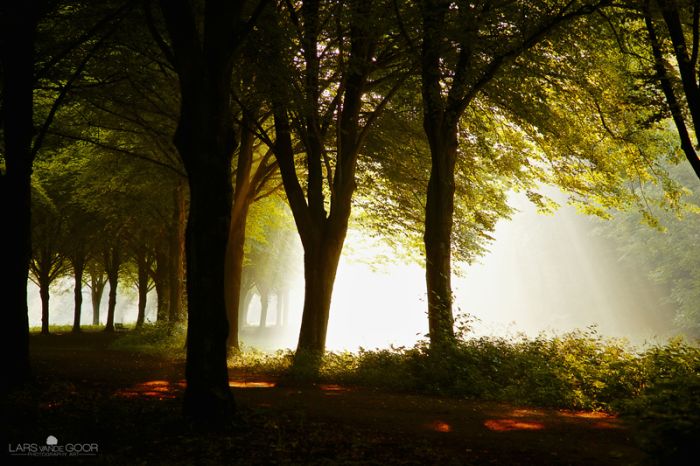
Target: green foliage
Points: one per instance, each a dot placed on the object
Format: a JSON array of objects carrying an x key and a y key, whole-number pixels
[
  {"x": 154, "y": 338},
  {"x": 667, "y": 410}
]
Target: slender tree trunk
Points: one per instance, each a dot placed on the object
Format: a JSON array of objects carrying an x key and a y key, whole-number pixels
[
  {"x": 671, "y": 99},
  {"x": 113, "y": 265},
  {"x": 78, "y": 268},
  {"x": 282, "y": 297},
  {"x": 97, "y": 288},
  {"x": 143, "y": 290},
  {"x": 162, "y": 280},
  {"x": 17, "y": 32},
  {"x": 233, "y": 267},
  {"x": 686, "y": 67},
  {"x": 244, "y": 308},
  {"x": 264, "y": 304},
  {"x": 45, "y": 296}
]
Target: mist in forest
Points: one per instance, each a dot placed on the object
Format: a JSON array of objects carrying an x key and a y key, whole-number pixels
[{"x": 543, "y": 273}]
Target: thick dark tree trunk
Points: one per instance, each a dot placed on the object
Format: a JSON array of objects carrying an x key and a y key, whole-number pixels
[
  {"x": 320, "y": 266},
  {"x": 208, "y": 393},
  {"x": 45, "y": 296},
  {"x": 113, "y": 263},
  {"x": 78, "y": 268},
  {"x": 204, "y": 47},
  {"x": 17, "y": 32},
  {"x": 439, "y": 211}
]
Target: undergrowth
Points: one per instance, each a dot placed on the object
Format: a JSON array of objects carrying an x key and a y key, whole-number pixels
[
  {"x": 657, "y": 389},
  {"x": 154, "y": 338}
]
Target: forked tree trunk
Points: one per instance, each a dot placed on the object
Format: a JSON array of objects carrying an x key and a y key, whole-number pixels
[{"x": 78, "y": 269}]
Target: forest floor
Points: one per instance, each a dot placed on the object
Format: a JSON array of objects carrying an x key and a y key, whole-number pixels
[{"x": 129, "y": 405}]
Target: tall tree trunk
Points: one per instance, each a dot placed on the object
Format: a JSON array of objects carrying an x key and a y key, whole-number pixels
[
  {"x": 113, "y": 263},
  {"x": 440, "y": 121},
  {"x": 78, "y": 269},
  {"x": 207, "y": 392},
  {"x": 242, "y": 198},
  {"x": 17, "y": 33},
  {"x": 439, "y": 211},
  {"x": 44, "y": 284}
]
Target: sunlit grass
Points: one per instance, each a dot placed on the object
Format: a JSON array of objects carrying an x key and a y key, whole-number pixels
[
  {"x": 59, "y": 329},
  {"x": 154, "y": 338}
]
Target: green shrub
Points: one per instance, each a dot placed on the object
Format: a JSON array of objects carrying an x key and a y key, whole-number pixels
[
  {"x": 666, "y": 412},
  {"x": 154, "y": 338}
]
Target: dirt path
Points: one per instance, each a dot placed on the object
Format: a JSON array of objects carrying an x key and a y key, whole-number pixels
[{"x": 129, "y": 403}]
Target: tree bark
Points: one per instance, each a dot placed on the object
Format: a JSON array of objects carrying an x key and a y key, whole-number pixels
[
  {"x": 143, "y": 267},
  {"x": 177, "y": 254},
  {"x": 112, "y": 263},
  {"x": 439, "y": 211},
  {"x": 686, "y": 67},
  {"x": 18, "y": 22},
  {"x": 205, "y": 140},
  {"x": 45, "y": 296},
  {"x": 440, "y": 126},
  {"x": 162, "y": 279},
  {"x": 97, "y": 288},
  {"x": 78, "y": 269},
  {"x": 320, "y": 266}
]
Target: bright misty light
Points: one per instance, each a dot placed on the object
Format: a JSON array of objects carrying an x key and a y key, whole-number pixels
[{"x": 543, "y": 273}]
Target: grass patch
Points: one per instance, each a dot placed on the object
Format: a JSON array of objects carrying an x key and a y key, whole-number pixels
[
  {"x": 67, "y": 329},
  {"x": 154, "y": 338}
]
